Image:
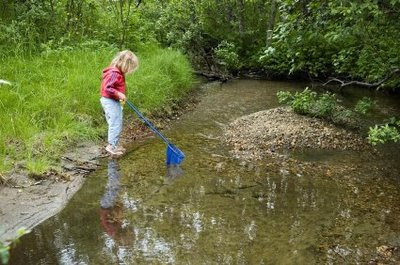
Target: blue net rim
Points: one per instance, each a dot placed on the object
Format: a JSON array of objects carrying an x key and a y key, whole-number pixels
[{"x": 176, "y": 150}]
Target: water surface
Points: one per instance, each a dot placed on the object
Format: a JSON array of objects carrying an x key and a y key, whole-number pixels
[{"x": 331, "y": 207}]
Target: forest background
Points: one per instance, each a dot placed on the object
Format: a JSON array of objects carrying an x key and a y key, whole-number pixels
[{"x": 50, "y": 49}]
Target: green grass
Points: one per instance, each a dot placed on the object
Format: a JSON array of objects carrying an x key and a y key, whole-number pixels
[
  {"x": 162, "y": 77},
  {"x": 54, "y": 100}
]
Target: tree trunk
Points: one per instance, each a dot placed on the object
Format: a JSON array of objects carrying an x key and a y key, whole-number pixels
[
  {"x": 271, "y": 22},
  {"x": 241, "y": 19}
]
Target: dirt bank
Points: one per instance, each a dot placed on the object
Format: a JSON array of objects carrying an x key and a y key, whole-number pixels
[
  {"x": 26, "y": 202},
  {"x": 267, "y": 132}
]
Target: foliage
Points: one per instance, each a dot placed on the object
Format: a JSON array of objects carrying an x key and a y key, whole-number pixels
[
  {"x": 285, "y": 97},
  {"x": 303, "y": 102},
  {"x": 5, "y": 249},
  {"x": 27, "y": 26},
  {"x": 309, "y": 102},
  {"x": 316, "y": 38},
  {"x": 383, "y": 133},
  {"x": 325, "y": 105},
  {"x": 321, "y": 38},
  {"x": 228, "y": 54},
  {"x": 230, "y": 30},
  {"x": 380, "y": 134},
  {"x": 364, "y": 105}
]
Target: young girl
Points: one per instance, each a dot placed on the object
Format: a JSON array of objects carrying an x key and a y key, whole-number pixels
[{"x": 112, "y": 92}]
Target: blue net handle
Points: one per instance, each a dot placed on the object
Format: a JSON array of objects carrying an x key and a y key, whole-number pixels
[
  {"x": 148, "y": 123},
  {"x": 174, "y": 155}
]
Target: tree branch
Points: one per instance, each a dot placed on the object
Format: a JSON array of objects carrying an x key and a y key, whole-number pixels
[{"x": 358, "y": 83}]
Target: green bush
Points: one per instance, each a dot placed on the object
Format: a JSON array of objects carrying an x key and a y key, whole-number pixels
[
  {"x": 383, "y": 133},
  {"x": 324, "y": 105},
  {"x": 329, "y": 38},
  {"x": 364, "y": 105},
  {"x": 304, "y": 102},
  {"x": 309, "y": 102},
  {"x": 389, "y": 131},
  {"x": 228, "y": 54},
  {"x": 285, "y": 97}
]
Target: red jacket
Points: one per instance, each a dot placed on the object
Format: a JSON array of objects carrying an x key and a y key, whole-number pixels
[{"x": 113, "y": 80}]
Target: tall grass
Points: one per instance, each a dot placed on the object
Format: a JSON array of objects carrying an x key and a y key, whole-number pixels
[
  {"x": 54, "y": 100},
  {"x": 163, "y": 76}
]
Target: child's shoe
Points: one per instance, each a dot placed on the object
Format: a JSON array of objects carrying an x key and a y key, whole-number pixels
[
  {"x": 121, "y": 148},
  {"x": 113, "y": 150}
]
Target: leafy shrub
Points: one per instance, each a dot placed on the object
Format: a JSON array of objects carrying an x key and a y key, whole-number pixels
[
  {"x": 389, "y": 131},
  {"x": 383, "y": 133},
  {"x": 364, "y": 105},
  {"x": 325, "y": 105},
  {"x": 285, "y": 97},
  {"x": 303, "y": 102},
  {"x": 309, "y": 102},
  {"x": 227, "y": 53}
]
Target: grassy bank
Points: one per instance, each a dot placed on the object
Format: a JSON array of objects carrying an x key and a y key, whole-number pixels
[{"x": 53, "y": 101}]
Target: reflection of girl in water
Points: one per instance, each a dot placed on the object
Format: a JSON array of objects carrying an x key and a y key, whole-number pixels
[
  {"x": 111, "y": 212},
  {"x": 113, "y": 185},
  {"x": 112, "y": 215}
]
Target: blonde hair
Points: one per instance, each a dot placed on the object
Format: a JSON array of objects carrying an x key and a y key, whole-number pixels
[{"x": 126, "y": 61}]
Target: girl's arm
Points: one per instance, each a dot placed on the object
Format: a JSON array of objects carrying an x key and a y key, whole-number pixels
[{"x": 115, "y": 78}]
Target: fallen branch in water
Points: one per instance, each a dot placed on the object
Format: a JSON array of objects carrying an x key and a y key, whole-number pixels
[{"x": 358, "y": 83}]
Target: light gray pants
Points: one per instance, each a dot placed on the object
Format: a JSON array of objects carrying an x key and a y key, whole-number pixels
[{"x": 113, "y": 112}]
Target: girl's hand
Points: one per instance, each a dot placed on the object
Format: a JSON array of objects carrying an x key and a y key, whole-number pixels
[{"x": 121, "y": 96}]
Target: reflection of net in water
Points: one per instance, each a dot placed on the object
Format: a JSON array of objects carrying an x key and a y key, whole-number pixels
[{"x": 174, "y": 171}]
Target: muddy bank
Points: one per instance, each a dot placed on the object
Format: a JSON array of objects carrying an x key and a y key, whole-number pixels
[
  {"x": 270, "y": 131},
  {"x": 27, "y": 201}
]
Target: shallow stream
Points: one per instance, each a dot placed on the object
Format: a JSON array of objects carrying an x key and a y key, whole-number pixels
[{"x": 332, "y": 207}]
